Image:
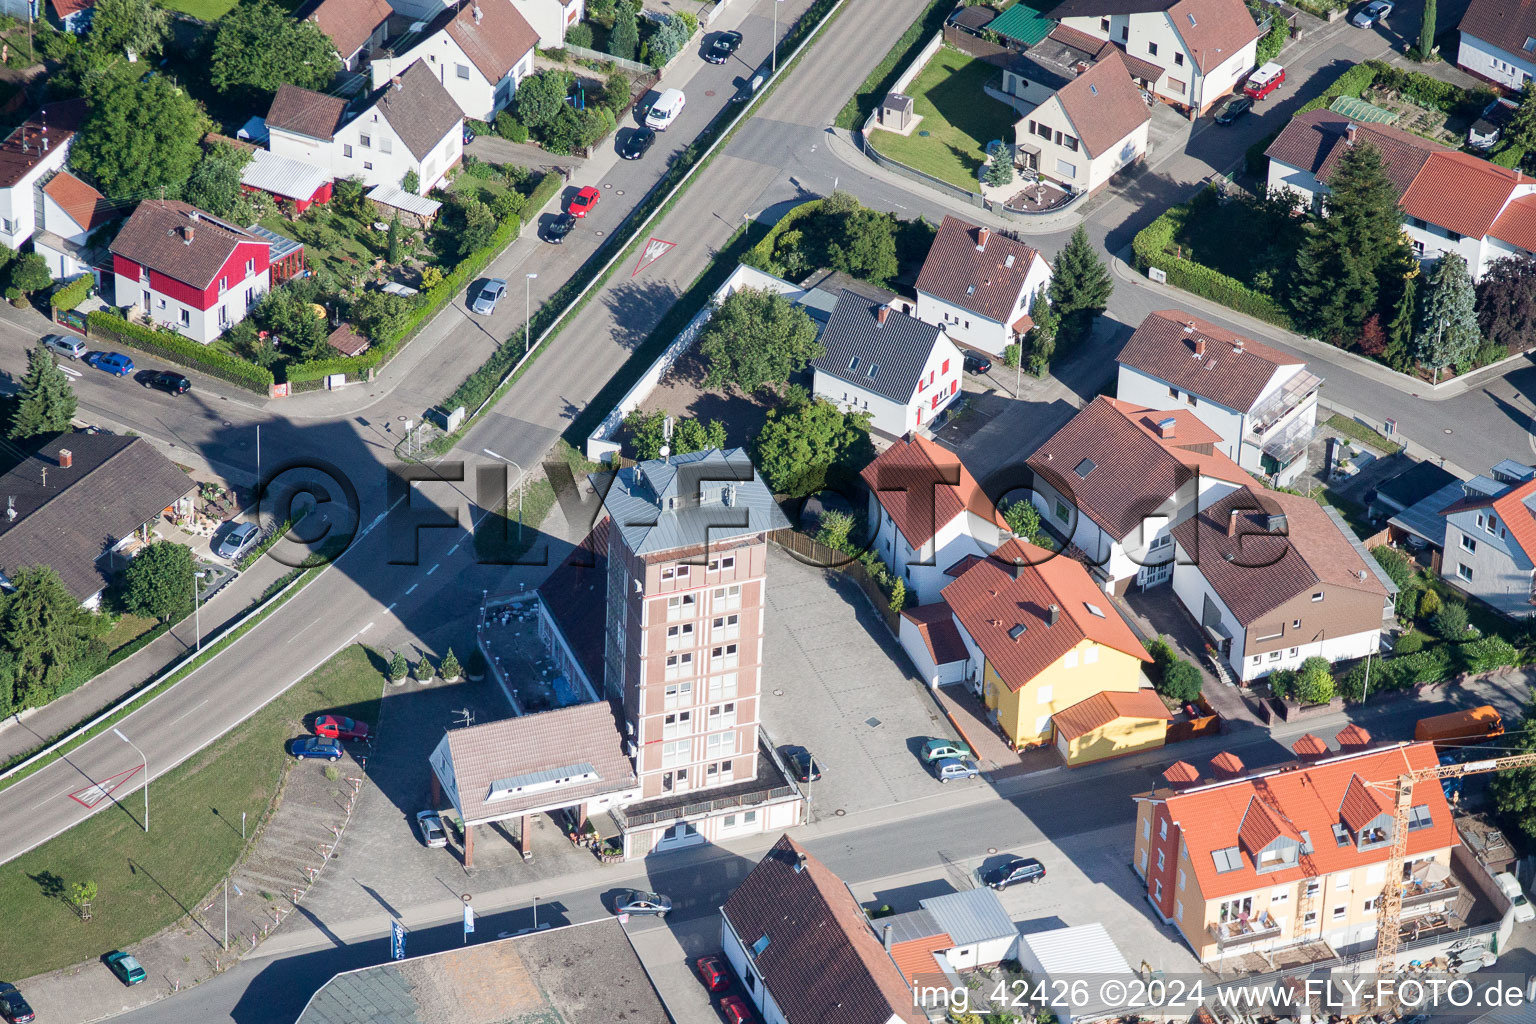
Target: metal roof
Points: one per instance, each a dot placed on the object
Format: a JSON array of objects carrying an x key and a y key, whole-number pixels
[
  {"x": 914, "y": 924},
  {"x": 1423, "y": 518},
  {"x": 400, "y": 199},
  {"x": 699, "y": 498},
  {"x": 975, "y": 915},
  {"x": 857, "y": 342},
  {"x": 1023, "y": 23},
  {"x": 284, "y": 176},
  {"x": 1361, "y": 550},
  {"x": 281, "y": 244},
  {"x": 1082, "y": 950}
]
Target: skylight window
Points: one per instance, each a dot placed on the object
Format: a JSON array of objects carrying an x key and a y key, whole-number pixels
[
  {"x": 1530, "y": 44},
  {"x": 1017, "y": 631},
  {"x": 1227, "y": 860},
  {"x": 1191, "y": 18},
  {"x": 760, "y": 945},
  {"x": 874, "y": 368},
  {"x": 853, "y": 364},
  {"x": 1094, "y": 609},
  {"x": 1009, "y": 261},
  {"x": 970, "y": 289},
  {"x": 1084, "y": 468},
  {"x": 1093, "y": 88}
]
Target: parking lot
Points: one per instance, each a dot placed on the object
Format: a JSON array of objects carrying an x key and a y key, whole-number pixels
[{"x": 837, "y": 683}]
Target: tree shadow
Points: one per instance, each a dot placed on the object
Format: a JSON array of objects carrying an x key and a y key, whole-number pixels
[
  {"x": 50, "y": 885},
  {"x": 634, "y": 306}
]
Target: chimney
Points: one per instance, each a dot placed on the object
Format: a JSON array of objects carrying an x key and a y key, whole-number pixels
[
  {"x": 186, "y": 234},
  {"x": 1199, "y": 348},
  {"x": 1053, "y": 615},
  {"x": 885, "y": 935},
  {"x": 1018, "y": 568},
  {"x": 1166, "y": 427},
  {"x": 66, "y": 458},
  {"x": 396, "y": 83},
  {"x": 477, "y": 14},
  {"x": 1233, "y": 518},
  {"x": 1237, "y": 347},
  {"x": 881, "y": 314},
  {"x": 982, "y": 234},
  {"x": 799, "y": 857},
  {"x": 1350, "y": 130}
]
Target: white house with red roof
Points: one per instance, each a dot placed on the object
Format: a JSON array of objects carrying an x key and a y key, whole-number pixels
[
  {"x": 1087, "y": 129},
  {"x": 1490, "y": 539},
  {"x": 980, "y": 285},
  {"x": 479, "y": 51},
  {"x": 928, "y": 514},
  {"x": 1253, "y": 862},
  {"x": 1498, "y": 42},
  {"x": 1451, "y": 201},
  {"x": 189, "y": 270},
  {"x": 1261, "y": 402},
  {"x": 72, "y": 210}
]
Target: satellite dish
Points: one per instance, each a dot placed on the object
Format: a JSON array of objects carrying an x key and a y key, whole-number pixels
[{"x": 665, "y": 451}]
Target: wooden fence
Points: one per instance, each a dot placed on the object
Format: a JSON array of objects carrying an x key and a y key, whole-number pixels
[{"x": 813, "y": 552}]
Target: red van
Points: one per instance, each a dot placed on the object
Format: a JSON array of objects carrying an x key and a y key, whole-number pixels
[{"x": 1264, "y": 81}]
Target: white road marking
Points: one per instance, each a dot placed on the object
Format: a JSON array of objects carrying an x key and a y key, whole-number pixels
[
  {"x": 454, "y": 548},
  {"x": 187, "y": 712},
  {"x": 433, "y": 569},
  {"x": 412, "y": 589},
  {"x": 366, "y": 628},
  {"x": 71, "y": 372}
]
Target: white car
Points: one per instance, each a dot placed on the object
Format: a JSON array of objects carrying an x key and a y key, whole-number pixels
[
  {"x": 430, "y": 825},
  {"x": 1511, "y": 888},
  {"x": 665, "y": 110},
  {"x": 1371, "y": 13}
]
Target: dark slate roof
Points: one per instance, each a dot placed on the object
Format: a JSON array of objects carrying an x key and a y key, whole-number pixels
[
  {"x": 113, "y": 486},
  {"x": 896, "y": 350},
  {"x": 306, "y": 112},
  {"x": 974, "y": 17},
  {"x": 155, "y": 237},
  {"x": 1107, "y": 8},
  {"x": 1414, "y": 484},
  {"x": 419, "y": 109},
  {"x": 1425, "y": 517},
  {"x": 681, "y": 501}
]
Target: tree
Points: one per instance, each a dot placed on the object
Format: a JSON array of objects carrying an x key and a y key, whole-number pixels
[
  {"x": 81, "y": 896},
  {"x": 1506, "y": 302},
  {"x": 1514, "y": 790},
  {"x": 1042, "y": 336},
  {"x": 159, "y": 582},
  {"x": 1356, "y": 247},
  {"x": 1080, "y": 284},
  {"x": 397, "y": 666},
  {"x": 45, "y": 402},
  {"x": 864, "y": 245},
  {"x": 1373, "y": 337},
  {"x": 999, "y": 170},
  {"x": 381, "y": 315},
  {"x": 138, "y": 138},
  {"x": 450, "y": 668},
  {"x": 579, "y": 34},
  {"x": 1520, "y": 132},
  {"x": 898, "y": 595},
  {"x": 44, "y": 631},
  {"x": 1023, "y": 519},
  {"x": 289, "y": 313},
  {"x": 30, "y": 273},
  {"x": 479, "y": 226},
  {"x": 259, "y": 48},
  {"x": 756, "y": 338},
  {"x": 798, "y": 444},
  {"x": 1181, "y": 681},
  {"x": 540, "y": 97},
  {"x": 697, "y": 436},
  {"x": 624, "y": 40},
  {"x": 410, "y": 181},
  {"x": 596, "y": 123},
  {"x": 647, "y": 433},
  {"x": 1404, "y": 315},
  {"x": 1397, "y": 567},
  {"x": 670, "y": 35},
  {"x": 835, "y": 529},
  {"x": 616, "y": 92},
  {"x": 395, "y": 242},
  {"x": 215, "y": 182},
  {"x": 121, "y": 26},
  {"x": 1448, "y": 332},
  {"x": 423, "y": 671},
  {"x": 1450, "y": 621},
  {"x": 1427, "y": 31},
  {"x": 1269, "y": 47},
  {"x": 1314, "y": 681}
]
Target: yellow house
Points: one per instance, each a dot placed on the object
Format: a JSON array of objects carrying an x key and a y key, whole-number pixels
[{"x": 1048, "y": 642}]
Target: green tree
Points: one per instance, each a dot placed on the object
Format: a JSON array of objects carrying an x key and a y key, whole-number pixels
[
  {"x": 1314, "y": 681},
  {"x": 1273, "y": 41},
  {"x": 1514, "y": 790},
  {"x": 479, "y": 225},
  {"x": 1448, "y": 332},
  {"x": 898, "y": 594},
  {"x": 756, "y": 338},
  {"x": 647, "y": 433},
  {"x": 1404, "y": 316},
  {"x": 45, "y": 402},
  {"x": 1181, "y": 681},
  {"x": 119, "y": 26},
  {"x": 579, "y": 34},
  {"x": 1042, "y": 336},
  {"x": 670, "y": 35},
  {"x": 159, "y": 582},
  {"x": 1000, "y": 167},
  {"x": 563, "y": 132},
  {"x": 396, "y": 242},
  {"x": 1012, "y": 353},
  {"x": 834, "y": 529},
  {"x": 697, "y": 436},
  {"x": 398, "y": 669},
  {"x": 1023, "y": 519},
  {"x": 1397, "y": 567},
  {"x": 864, "y": 245},
  {"x": 616, "y": 92},
  {"x": 540, "y": 97},
  {"x": 45, "y": 631},
  {"x": 258, "y": 48},
  {"x": 410, "y": 181},
  {"x": 1450, "y": 621},
  {"x": 1080, "y": 285},
  {"x": 138, "y": 138},
  {"x": 423, "y": 671},
  {"x": 381, "y": 315},
  {"x": 1427, "y": 31},
  {"x": 450, "y": 669},
  {"x": 30, "y": 273},
  {"x": 288, "y": 313},
  {"x": 215, "y": 182},
  {"x": 624, "y": 40},
  {"x": 1520, "y": 131},
  {"x": 798, "y": 444}
]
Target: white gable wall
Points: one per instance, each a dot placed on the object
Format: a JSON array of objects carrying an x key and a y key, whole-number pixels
[{"x": 1494, "y": 63}]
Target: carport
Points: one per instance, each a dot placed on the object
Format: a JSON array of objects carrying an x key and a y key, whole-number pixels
[{"x": 569, "y": 759}]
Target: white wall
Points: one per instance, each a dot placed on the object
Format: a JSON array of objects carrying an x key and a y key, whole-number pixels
[
  {"x": 975, "y": 330},
  {"x": 477, "y": 97},
  {"x": 294, "y": 146},
  {"x": 923, "y": 568},
  {"x": 61, "y": 223},
  {"x": 917, "y": 650},
  {"x": 385, "y": 159},
  {"x": 18, "y": 204},
  {"x": 1191, "y": 588},
  {"x": 1498, "y": 65},
  {"x": 1131, "y": 385},
  {"x": 550, "y": 20},
  {"x": 202, "y": 326},
  {"x": 1501, "y": 571},
  {"x": 62, "y": 264},
  {"x": 751, "y": 982}
]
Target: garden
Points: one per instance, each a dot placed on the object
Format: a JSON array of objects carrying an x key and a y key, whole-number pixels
[{"x": 625, "y": 29}]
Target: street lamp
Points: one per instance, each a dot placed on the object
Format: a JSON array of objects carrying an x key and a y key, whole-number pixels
[
  {"x": 528, "y": 280},
  {"x": 520, "y": 474},
  {"x": 136, "y": 750},
  {"x": 197, "y": 621}
]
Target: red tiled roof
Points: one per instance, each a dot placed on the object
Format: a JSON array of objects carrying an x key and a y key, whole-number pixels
[
  {"x": 64, "y": 8},
  {"x": 1103, "y": 104},
  {"x": 1506, "y": 24},
  {"x": 348, "y": 23},
  {"x": 1182, "y": 773},
  {"x": 155, "y": 237},
  {"x": 958, "y": 569},
  {"x": 1309, "y": 746},
  {"x": 1461, "y": 192},
  {"x": 1261, "y": 825},
  {"x": 997, "y": 594},
  {"x": 954, "y": 264},
  {"x": 1213, "y": 30},
  {"x": 1164, "y": 347},
  {"x": 915, "y": 957},
  {"x": 1189, "y": 430},
  {"x": 924, "y": 487},
  {"x": 1362, "y": 804},
  {"x": 936, "y": 625},
  {"x": 1310, "y": 799},
  {"x": 1352, "y": 736},
  {"x": 84, "y": 205},
  {"x": 1102, "y": 708},
  {"x": 306, "y": 112},
  {"x": 41, "y": 134},
  {"x": 1517, "y": 224},
  {"x": 1227, "y": 762},
  {"x": 1511, "y": 506},
  {"x": 821, "y": 960}
]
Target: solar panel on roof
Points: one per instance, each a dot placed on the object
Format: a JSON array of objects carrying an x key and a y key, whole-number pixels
[{"x": 1017, "y": 631}]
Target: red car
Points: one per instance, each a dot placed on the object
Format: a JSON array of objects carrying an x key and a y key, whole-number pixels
[
  {"x": 735, "y": 1010},
  {"x": 584, "y": 201},
  {"x": 1264, "y": 81},
  {"x": 716, "y": 976},
  {"x": 335, "y": 727}
]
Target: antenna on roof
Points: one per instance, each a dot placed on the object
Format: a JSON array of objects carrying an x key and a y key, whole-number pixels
[
  {"x": 10, "y": 508},
  {"x": 466, "y": 717}
]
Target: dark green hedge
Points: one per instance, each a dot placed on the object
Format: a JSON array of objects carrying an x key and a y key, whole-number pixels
[
  {"x": 72, "y": 294},
  {"x": 1152, "y": 248},
  {"x": 183, "y": 351}
]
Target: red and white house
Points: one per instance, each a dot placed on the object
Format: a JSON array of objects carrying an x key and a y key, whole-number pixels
[{"x": 191, "y": 271}]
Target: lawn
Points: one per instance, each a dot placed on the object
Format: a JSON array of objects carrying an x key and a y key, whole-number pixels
[
  {"x": 958, "y": 116},
  {"x": 334, "y": 241},
  {"x": 496, "y": 536},
  {"x": 148, "y": 881},
  {"x": 128, "y": 628}
]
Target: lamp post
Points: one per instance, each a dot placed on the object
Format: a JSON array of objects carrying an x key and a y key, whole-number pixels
[
  {"x": 520, "y": 474},
  {"x": 528, "y": 280},
  {"x": 136, "y": 750},
  {"x": 197, "y": 621}
]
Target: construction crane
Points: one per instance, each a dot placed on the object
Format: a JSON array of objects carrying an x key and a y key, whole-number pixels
[{"x": 1387, "y": 937}]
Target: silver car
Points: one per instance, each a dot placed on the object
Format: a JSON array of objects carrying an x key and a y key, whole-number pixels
[
  {"x": 239, "y": 540},
  {"x": 1371, "y": 13},
  {"x": 62, "y": 345},
  {"x": 638, "y": 903},
  {"x": 490, "y": 294},
  {"x": 430, "y": 824},
  {"x": 955, "y": 768}
]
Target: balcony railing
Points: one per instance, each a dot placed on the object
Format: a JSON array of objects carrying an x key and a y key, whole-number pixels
[
  {"x": 1245, "y": 928},
  {"x": 1416, "y": 892},
  {"x": 1291, "y": 395}
]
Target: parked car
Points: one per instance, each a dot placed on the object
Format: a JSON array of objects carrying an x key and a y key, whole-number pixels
[
  {"x": 975, "y": 363},
  {"x": 725, "y": 44},
  {"x": 714, "y": 972},
  {"x": 13, "y": 1008},
  {"x": 665, "y": 110},
  {"x": 1233, "y": 108},
  {"x": 1015, "y": 871},
  {"x": 63, "y": 345},
  {"x": 558, "y": 228},
  {"x": 114, "y": 363},
  {"x": 803, "y": 764},
  {"x": 1510, "y": 886},
  {"x": 1371, "y": 13},
  {"x": 430, "y": 825},
  {"x": 584, "y": 200},
  {"x": 469, "y": 134},
  {"x": 1264, "y": 81},
  {"x": 937, "y": 750},
  {"x": 339, "y": 727},
  {"x": 315, "y": 748},
  {"x": 127, "y": 968},
  {"x": 639, "y": 903},
  {"x": 955, "y": 768},
  {"x": 239, "y": 540},
  {"x": 161, "y": 380},
  {"x": 735, "y": 1010},
  {"x": 490, "y": 294},
  {"x": 637, "y": 143}
]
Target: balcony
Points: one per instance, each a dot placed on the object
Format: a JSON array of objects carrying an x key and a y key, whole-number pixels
[
  {"x": 1245, "y": 928},
  {"x": 1292, "y": 395},
  {"x": 1437, "y": 884}
]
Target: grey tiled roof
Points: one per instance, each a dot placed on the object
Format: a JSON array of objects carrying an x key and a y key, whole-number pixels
[
  {"x": 896, "y": 350},
  {"x": 420, "y": 110},
  {"x": 682, "y": 501}
]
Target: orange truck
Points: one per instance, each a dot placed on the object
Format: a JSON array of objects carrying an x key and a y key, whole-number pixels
[{"x": 1460, "y": 728}]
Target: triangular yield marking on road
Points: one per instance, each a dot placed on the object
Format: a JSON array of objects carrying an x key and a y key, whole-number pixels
[
  {"x": 655, "y": 249},
  {"x": 92, "y": 795}
]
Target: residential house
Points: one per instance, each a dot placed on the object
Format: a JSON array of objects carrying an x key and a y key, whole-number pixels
[
  {"x": 1490, "y": 539},
  {"x": 1204, "y": 48},
  {"x": 1042, "y": 639},
  {"x": 1498, "y": 42},
  {"x": 1295, "y": 853},
  {"x": 1117, "y": 478},
  {"x": 980, "y": 285},
  {"x": 1088, "y": 125},
  {"x": 551, "y": 19},
  {"x": 1411, "y": 502},
  {"x": 411, "y": 124},
  {"x": 82, "y": 504},
  {"x": 927, "y": 514},
  {"x": 804, "y": 949},
  {"x": 298, "y": 182},
  {"x": 905, "y": 373},
  {"x": 28, "y": 156},
  {"x": 1275, "y": 578},
  {"x": 188, "y": 270},
  {"x": 958, "y": 931},
  {"x": 355, "y": 27},
  {"x": 72, "y": 16},
  {"x": 1451, "y": 201},
  {"x": 1261, "y": 401},
  {"x": 72, "y": 210},
  {"x": 479, "y": 50}
]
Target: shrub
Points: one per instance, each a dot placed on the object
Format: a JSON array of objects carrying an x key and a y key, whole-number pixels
[
  {"x": 1314, "y": 681},
  {"x": 898, "y": 595},
  {"x": 423, "y": 670},
  {"x": 1487, "y": 654},
  {"x": 835, "y": 529},
  {"x": 510, "y": 128},
  {"x": 182, "y": 351},
  {"x": 1151, "y": 248},
  {"x": 70, "y": 295},
  {"x": 1411, "y": 642},
  {"x": 450, "y": 668},
  {"x": 1181, "y": 681},
  {"x": 1352, "y": 82},
  {"x": 1508, "y": 155},
  {"x": 1429, "y": 604},
  {"x": 397, "y": 666},
  {"x": 1450, "y": 621},
  {"x": 579, "y": 34},
  {"x": 1282, "y": 682}
]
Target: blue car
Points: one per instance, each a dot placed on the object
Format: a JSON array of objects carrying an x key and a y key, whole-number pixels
[
  {"x": 114, "y": 363},
  {"x": 128, "y": 969},
  {"x": 328, "y": 749}
]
